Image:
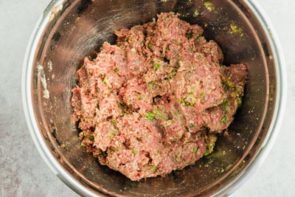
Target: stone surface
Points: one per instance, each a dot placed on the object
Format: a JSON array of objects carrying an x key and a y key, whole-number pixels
[{"x": 24, "y": 173}]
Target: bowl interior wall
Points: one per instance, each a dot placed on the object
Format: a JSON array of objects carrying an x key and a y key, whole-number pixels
[{"x": 80, "y": 28}]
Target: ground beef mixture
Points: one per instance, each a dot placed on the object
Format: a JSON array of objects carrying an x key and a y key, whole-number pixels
[{"x": 155, "y": 101}]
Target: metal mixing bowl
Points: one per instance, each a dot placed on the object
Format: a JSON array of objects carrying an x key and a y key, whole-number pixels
[{"x": 72, "y": 29}]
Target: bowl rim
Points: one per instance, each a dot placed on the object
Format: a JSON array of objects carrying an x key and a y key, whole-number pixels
[{"x": 75, "y": 185}]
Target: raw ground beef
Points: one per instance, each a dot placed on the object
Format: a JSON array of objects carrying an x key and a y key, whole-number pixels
[{"x": 155, "y": 101}]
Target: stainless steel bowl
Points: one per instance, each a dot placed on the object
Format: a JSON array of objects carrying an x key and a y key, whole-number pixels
[{"x": 72, "y": 29}]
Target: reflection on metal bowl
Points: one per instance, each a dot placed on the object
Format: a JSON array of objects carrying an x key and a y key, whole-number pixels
[{"x": 72, "y": 29}]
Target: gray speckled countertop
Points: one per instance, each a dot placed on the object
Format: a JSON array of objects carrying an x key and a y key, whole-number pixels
[{"x": 24, "y": 173}]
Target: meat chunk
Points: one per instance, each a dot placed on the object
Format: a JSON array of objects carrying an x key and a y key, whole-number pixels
[{"x": 154, "y": 101}]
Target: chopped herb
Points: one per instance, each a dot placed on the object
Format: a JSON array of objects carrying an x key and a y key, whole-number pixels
[
  {"x": 209, "y": 6},
  {"x": 207, "y": 153},
  {"x": 195, "y": 149},
  {"x": 156, "y": 114},
  {"x": 150, "y": 46},
  {"x": 188, "y": 101},
  {"x": 82, "y": 145},
  {"x": 173, "y": 72},
  {"x": 210, "y": 144},
  {"x": 191, "y": 125},
  {"x": 224, "y": 119},
  {"x": 189, "y": 34},
  {"x": 192, "y": 88},
  {"x": 160, "y": 115},
  {"x": 154, "y": 168},
  {"x": 196, "y": 13},
  {"x": 228, "y": 85},
  {"x": 156, "y": 66},
  {"x": 105, "y": 81},
  {"x": 225, "y": 105},
  {"x": 235, "y": 29},
  {"x": 191, "y": 99},
  {"x": 91, "y": 137},
  {"x": 134, "y": 151},
  {"x": 140, "y": 97},
  {"x": 151, "y": 85},
  {"x": 203, "y": 95},
  {"x": 150, "y": 116},
  {"x": 114, "y": 122},
  {"x": 183, "y": 102}
]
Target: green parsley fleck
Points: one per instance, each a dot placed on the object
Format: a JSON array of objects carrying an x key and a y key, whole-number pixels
[
  {"x": 221, "y": 170},
  {"x": 173, "y": 72},
  {"x": 225, "y": 105},
  {"x": 188, "y": 101},
  {"x": 150, "y": 46},
  {"x": 105, "y": 81},
  {"x": 224, "y": 119},
  {"x": 195, "y": 149},
  {"x": 235, "y": 29},
  {"x": 209, "y": 6},
  {"x": 134, "y": 151},
  {"x": 210, "y": 144},
  {"x": 191, "y": 125},
  {"x": 160, "y": 115},
  {"x": 150, "y": 116},
  {"x": 156, "y": 66},
  {"x": 140, "y": 97},
  {"x": 154, "y": 168},
  {"x": 114, "y": 122},
  {"x": 203, "y": 96},
  {"x": 228, "y": 85},
  {"x": 207, "y": 153},
  {"x": 151, "y": 85},
  {"x": 198, "y": 39},
  {"x": 196, "y": 13},
  {"x": 91, "y": 137},
  {"x": 156, "y": 114}
]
